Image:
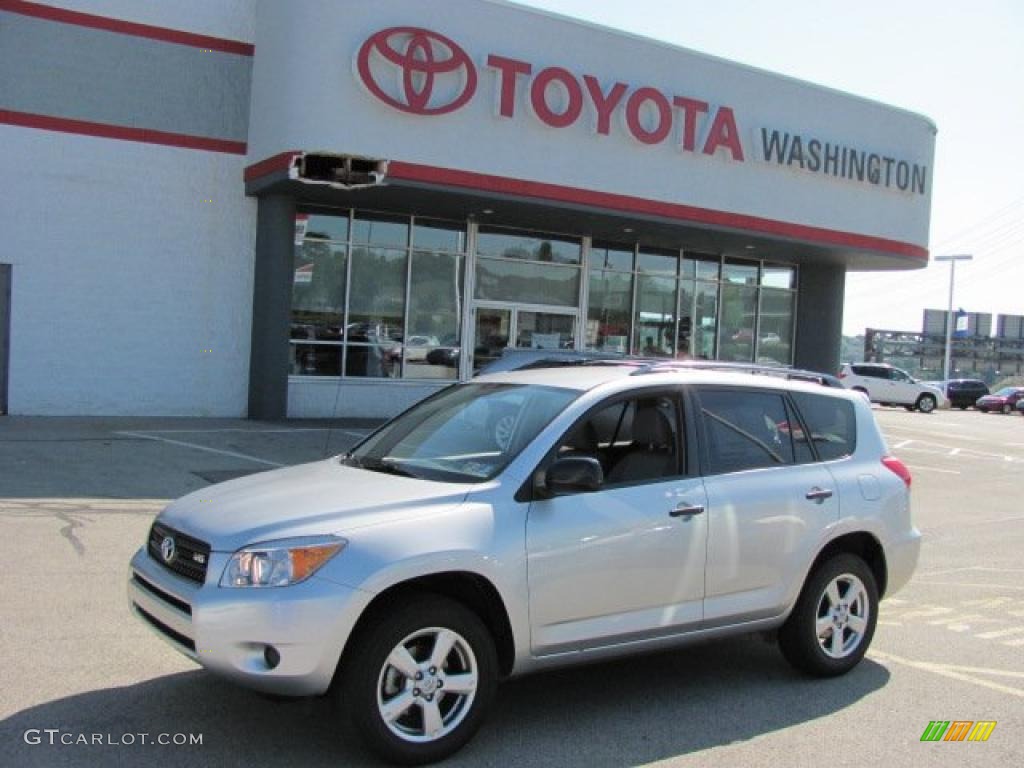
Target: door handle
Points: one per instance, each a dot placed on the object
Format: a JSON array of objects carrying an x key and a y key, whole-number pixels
[
  {"x": 818, "y": 494},
  {"x": 686, "y": 510}
]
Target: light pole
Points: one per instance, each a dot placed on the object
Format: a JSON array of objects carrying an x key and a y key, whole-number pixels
[{"x": 952, "y": 259}]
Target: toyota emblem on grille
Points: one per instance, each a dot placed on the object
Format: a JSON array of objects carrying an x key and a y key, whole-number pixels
[{"x": 167, "y": 549}]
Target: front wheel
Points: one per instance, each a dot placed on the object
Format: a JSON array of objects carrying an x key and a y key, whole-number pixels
[
  {"x": 1006, "y": 409},
  {"x": 419, "y": 680},
  {"x": 833, "y": 621},
  {"x": 926, "y": 403}
]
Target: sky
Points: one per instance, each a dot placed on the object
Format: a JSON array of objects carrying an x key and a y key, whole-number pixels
[{"x": 960, "y": 64}]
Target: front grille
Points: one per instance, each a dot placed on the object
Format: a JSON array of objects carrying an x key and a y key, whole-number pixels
[
  {"x": 191, "y": 556},
  {"x": 158, "y": 625}
]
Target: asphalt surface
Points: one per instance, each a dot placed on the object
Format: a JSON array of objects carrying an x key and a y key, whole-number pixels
[{"x": 77, "y": 497}]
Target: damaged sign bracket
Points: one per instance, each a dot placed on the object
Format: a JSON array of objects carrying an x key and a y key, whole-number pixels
[{"x": 338, "y": 171}]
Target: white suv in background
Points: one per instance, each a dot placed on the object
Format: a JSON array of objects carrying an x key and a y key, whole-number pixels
[{"x": 886, "y": 385}]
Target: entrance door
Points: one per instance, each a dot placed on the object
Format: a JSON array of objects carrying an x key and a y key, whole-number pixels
[
  {"x": 5, "y": 331},
  {"x": 496, "y": 327}
]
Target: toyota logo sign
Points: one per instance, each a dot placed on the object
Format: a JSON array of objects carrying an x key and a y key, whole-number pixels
[{"x": 416, "y": 71}]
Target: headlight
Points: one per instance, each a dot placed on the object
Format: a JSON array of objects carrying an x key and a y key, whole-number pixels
[{"x": 280, "y": 563}]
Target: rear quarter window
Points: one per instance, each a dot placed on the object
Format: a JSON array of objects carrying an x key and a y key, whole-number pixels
[{"x": 832, "y": 423}]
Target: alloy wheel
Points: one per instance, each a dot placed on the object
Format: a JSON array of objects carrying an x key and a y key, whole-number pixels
[
  {"x": 427, "y": 685},
  {"x": 842, "y": 616}
]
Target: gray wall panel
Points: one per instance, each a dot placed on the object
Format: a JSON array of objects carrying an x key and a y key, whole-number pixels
[{"x": 63, "y": 70}]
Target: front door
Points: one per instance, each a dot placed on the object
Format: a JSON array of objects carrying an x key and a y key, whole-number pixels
[
  {"x": 5, "y": 331},
  {"x": 497, "y": 326},
  {"x": 625, "y": 562}
]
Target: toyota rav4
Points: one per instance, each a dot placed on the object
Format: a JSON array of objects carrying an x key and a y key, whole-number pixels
[{"x": 624, "y": 509}]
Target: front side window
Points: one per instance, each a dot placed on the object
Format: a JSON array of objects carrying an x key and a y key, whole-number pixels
[
  {"x": 466, "y": 433},
  {"x": 745, "y": 430},
  {"x": 635, "y": 439}
]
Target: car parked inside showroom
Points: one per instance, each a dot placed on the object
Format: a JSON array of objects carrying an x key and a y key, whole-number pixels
[
  {"x": 887, "y": 385},
  {"x": 1003, "y": 401},
  {"x": 628, "y": 509}
]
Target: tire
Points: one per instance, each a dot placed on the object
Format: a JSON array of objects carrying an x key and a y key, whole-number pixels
[
  {"x": 1006, "y": 409},
  {"x": 407, "y": 634},
  {"x": 806, "y": 639},
  {"x": 926, "y": 403}
]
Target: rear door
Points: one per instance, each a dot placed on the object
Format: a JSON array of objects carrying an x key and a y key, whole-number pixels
[{"x": 769, "y": 502}]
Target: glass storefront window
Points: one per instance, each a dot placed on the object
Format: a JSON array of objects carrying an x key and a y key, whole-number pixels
[
  {"x": 321, "y": 227},
  {"x": 776, "y": 326},
  {"x": 527, "y": 282},
  {"x": 315, "y": 359},
  {"x": 318, "y": 291},
  {"x": 439, "y": 236},
  {"x": 611, "y": 294},
  {"x": 435, "y": 309},
  {"x": 705, "y": 314},
  {"x": 657, "y": 261},
  {"x": 736, "y": 331},
  {"x": 739, "y": 273},
  {"x": 544, "y": 330},
  {"x": 773, "y": 276},
  {"x": 611, "y": 257},
  {"x": 376, "y": 306},
  {"x": 381, "y": 230},
  {"x": 707, "y": 269},
  {"x": 528, "y": 246},
  {"x": 655, "y": 317},
  {"x": 684, "y": 344}
]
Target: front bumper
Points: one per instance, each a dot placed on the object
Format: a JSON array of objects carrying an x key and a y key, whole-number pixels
[
  {"x": 901, "y": 556},
  {"x": 229, "y": 631}
]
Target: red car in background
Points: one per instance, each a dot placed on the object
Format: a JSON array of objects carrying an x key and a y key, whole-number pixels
[{"x": 1004, "y": 401}]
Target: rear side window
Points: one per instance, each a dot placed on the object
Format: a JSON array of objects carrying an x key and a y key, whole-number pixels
[
  {"x": 832, "y": 422},
  {"x": 745, "y": 430}
]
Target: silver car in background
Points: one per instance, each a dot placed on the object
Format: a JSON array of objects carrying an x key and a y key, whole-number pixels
[{"x": 619, "y": 509}]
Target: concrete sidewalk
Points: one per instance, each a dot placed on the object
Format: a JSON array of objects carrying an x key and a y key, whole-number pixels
[{"x": 154, "y": 458}]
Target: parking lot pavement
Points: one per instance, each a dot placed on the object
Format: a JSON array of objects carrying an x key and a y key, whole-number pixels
[{"x": 77, "y": 496}]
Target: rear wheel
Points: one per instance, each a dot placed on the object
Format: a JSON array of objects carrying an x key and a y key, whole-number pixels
[
  {"x": 833, "y": 621},
  {"x": 926, "y": 403},
  {"x": 418, "y": 682}
]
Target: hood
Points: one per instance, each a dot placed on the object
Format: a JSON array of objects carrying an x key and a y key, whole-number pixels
[{"x": 305, "y": 500}]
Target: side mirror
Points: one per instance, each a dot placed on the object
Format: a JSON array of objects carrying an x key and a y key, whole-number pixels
[{"x": 570, "y": 474}]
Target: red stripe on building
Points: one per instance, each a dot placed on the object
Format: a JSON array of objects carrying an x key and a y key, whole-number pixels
[
  {"x": 277, "y": 163},
  {"x": 132, "y": 28},
  {"x": 124, "y": 133},
  {"x": 636, "y": 205}
]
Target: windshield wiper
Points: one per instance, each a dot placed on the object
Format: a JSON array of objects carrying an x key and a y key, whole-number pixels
[{"x": 382, "y": 465}]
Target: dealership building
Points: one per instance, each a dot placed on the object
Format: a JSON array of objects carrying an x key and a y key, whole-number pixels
[{"x": 314, "y": 208}]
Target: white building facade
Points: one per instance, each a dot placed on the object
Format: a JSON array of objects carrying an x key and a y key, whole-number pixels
[{"x": 332, "y": 209}]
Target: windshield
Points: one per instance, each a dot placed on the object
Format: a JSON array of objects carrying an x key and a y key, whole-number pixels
[{"x": 466, "y": 433}]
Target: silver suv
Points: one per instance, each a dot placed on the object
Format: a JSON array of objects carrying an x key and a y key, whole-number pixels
[
  {"x": 626, "y": 509},
  {"x": 886, "y": 385}
]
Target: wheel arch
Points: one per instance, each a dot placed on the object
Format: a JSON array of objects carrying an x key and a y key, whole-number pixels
[
  {"x": 862, "y": 544},
  {"x": 474, "y": 591}
]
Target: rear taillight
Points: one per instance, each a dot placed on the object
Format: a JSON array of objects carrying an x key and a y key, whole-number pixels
[
  {"x": 898, "y": 468},
  {"x": 842, "y": 375}
]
